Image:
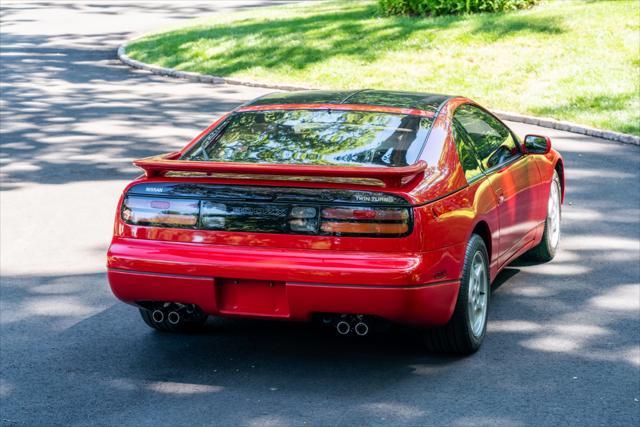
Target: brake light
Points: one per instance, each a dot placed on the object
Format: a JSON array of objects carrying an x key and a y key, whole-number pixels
[
  {"x": 365, "y": 221},
  {"x": 160, "y": 204},
  {"x": 233, "y": 215},
  {"x": 363, "y": 228},
  {"x": 166, "y": 213},
  {"x": 365, "y": 213}
]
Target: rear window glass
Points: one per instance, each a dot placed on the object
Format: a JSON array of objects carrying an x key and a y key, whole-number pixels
[{"x": 315, "y": 137}]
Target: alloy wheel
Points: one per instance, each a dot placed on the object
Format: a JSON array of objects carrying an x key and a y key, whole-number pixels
[
  {"x": 478, "y": 294},
  {"x": 553, "y": 215}
]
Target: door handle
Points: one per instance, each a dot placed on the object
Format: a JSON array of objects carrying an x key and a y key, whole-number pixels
[{"x": 500, "y": 195}]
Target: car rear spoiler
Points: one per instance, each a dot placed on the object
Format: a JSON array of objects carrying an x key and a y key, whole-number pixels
[{"x": 168, "y": 165}]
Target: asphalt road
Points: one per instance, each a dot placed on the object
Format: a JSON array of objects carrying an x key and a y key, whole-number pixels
[{"x": 563, "y": 341}]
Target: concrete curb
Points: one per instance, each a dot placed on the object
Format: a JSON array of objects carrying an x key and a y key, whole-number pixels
[
  {"x": 569, "y": 127},
  {"x": 197, "y": 77},
  {"x": 504, "y": 115}
]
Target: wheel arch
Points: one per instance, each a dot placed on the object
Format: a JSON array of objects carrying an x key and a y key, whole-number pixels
[
  {"x": 559, "y": 168},
  {"x": 482, "y": 229}
]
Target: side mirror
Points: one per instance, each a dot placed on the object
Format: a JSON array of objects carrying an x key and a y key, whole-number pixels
[{"x": 536, "y": 144}]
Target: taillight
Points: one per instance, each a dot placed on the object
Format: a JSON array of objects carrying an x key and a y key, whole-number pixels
[
  {"x": 363, "y": 228},
  {"x": 303, "y": 219},
  {"x": 326, "y": 213},
  {"x": 213, "y": 216},
  {"x": 365, "y": 213},
  {"x": 365, "y": 221},
  {"x": 164, "y": 212}
]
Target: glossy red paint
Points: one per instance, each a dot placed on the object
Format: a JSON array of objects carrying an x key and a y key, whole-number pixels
[
  {"x": 291, "y": 300},
  {"x": 412, "y": 279},
  {"x": 392, "y": 177}
]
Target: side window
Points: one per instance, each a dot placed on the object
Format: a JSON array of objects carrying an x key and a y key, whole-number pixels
[
  {"x": 467, "y": 156},
  {"x": 491, "y": 139}
]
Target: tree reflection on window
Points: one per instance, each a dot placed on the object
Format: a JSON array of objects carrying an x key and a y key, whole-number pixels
[
  {"x": 315, "y": 137},
  {"x": 492, "y": 141}
]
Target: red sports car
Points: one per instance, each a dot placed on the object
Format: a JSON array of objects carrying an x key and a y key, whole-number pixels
[{"x": 350, "y": 207}]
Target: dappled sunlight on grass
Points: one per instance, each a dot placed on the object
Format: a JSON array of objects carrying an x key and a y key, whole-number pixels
[
  {"x": 568, "y": 60},
  {"x": 497, "y": 26},
  {"x": 617, "y": 106}
]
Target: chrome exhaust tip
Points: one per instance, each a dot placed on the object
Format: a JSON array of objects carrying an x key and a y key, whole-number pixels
[
  {"x": 157, "y": 316},
  {"x": 343, "y": 327},
  {"x": 173, "y": 317},
  {"x": 361, "y": 329}
]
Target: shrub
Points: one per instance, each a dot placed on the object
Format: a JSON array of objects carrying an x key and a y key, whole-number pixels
[{"x": 450, "y": 7}]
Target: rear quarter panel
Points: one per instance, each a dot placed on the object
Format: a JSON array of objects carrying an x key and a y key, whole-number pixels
[
  {"x": 547, "y": 164},
  {"x": 450, "y": 221},
  {"x": 451, "y": 207}
]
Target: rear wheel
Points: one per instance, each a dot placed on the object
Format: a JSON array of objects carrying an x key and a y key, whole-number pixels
[
  {"x": 165, "y": 320},
  {"x": 546, "y": 249},
  {"x": 466, "y": 329}
]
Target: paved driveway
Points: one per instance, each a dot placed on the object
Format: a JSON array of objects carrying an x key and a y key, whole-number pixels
[{"x": 563, "y": 338}]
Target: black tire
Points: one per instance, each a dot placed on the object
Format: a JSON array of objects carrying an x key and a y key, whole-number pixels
[
  {"x": 546, "y": 250},
  {"x": 193, "y": 324},
  {"x": 457, "y": 336}
]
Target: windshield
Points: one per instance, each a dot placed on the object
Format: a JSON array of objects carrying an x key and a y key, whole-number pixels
[{"x": 315, "y": 137}]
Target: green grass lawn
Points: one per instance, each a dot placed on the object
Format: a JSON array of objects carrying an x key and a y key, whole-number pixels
[{"x": 570, "y": 60}]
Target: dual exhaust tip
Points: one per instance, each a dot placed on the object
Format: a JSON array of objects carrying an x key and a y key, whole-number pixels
[
  {"x": 344, "y": 328},
  {"x": 174, "y": 316}
]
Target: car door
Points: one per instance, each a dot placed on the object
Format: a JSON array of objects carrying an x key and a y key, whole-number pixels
[{"x": 512, "y": 176}]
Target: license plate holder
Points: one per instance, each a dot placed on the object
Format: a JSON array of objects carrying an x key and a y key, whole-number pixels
[{"x": 262, "y": 298}]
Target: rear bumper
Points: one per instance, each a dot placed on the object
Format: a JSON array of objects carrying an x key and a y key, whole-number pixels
[{"x": 286, "y": 284}]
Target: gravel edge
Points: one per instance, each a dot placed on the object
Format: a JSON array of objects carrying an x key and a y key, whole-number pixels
[{"x": 504, "y": 115}]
